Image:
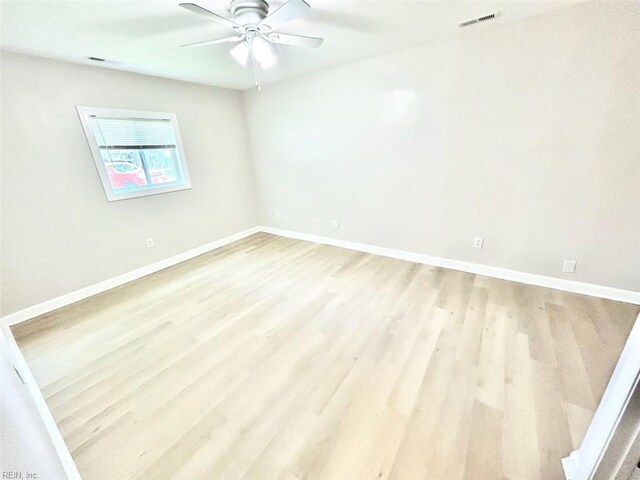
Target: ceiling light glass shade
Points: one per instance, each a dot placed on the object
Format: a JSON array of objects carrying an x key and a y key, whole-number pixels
[
  {"x": 263, "y": 52},
  {"x": 241, "y": 53}
]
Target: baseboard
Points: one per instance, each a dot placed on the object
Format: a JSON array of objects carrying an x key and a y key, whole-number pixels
[
  {"x": 600, "y": 291},
  {"x": 570, "y": 465},
  {"x": 502, "y": 273},
  {"x": 62, "y": 451},
  {"x": 72, "y": 297}
]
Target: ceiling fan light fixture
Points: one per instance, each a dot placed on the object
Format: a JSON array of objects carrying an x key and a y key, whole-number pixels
[
  {"x": 241, "y": 53},
  {"x": 263, "y": 52},
  {"x": 257, "y": 27}
]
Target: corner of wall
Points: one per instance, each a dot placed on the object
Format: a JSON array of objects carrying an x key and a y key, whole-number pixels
[{"x": 259, "y": 210}]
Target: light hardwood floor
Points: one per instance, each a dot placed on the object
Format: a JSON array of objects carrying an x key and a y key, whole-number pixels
[{"x": 280, "y": 359}]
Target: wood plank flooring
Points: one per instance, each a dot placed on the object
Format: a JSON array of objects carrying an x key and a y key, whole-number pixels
[{"x": 277, "y": 359}]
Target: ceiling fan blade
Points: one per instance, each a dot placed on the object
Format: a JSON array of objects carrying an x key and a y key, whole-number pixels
[
  {"x": 288, "y": 11},
  {"x": 192, "y": 7},
  {"x": 239, "y": 38},
  {"x": 295, "y": 40}
]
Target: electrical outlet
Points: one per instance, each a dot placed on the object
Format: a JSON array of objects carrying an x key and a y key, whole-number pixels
[
  {"x": 478, "y": 242},
  {"x": 334, "y": 224},
  {"x": 343, "y": 226},
  {"x": 150, "y": 243},
  {"x": 277, "y": 215},
  {"x": 569, "y": 266}
]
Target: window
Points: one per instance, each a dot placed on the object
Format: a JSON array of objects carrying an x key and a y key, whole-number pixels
[{"x": 136, "y": 153}]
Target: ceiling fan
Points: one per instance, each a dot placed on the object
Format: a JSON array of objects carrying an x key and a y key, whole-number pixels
[{"x": 255, "y": 30}]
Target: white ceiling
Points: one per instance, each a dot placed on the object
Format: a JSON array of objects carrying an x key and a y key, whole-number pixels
[{"x": 146, "y": 35}]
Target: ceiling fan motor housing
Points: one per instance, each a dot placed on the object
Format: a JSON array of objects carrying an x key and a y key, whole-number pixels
[{"x": 249, "y": 12}]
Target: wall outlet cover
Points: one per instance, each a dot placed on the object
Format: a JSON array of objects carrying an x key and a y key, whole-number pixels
[{"x": 569, "y": 266}]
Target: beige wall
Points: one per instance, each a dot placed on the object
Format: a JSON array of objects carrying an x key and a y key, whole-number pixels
[
  {"x": 59, "y": 233},
  {"x": 527, "y": 134}
]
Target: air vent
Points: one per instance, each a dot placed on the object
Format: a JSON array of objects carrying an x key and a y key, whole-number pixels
[
  {"x": 96, "y": 59},
  {"x": 484, "y": 18}
]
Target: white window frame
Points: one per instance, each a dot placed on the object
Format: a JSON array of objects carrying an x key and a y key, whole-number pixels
[{"x": 86, "y": 113}]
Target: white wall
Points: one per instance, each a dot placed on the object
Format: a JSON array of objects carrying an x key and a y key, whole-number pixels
[
  {"x": 59, "y": 233},
  {"x": 527, "y": 134}
]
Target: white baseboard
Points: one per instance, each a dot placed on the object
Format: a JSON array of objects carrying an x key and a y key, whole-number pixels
[
  {"x": 570, "y": 465},
  {"x": 502, "y": 273},
  {"x": 72, "y": 297},
  {"x": 601, "y": 291}
]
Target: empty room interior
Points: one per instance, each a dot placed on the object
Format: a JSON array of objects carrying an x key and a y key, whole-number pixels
[{"x": 320, "y": 240}]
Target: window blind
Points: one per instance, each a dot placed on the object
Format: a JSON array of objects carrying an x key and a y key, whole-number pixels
[{"x": 133, "y": 133}]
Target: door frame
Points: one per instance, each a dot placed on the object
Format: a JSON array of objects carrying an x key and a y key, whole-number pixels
[{"x": 582, "y": 463}]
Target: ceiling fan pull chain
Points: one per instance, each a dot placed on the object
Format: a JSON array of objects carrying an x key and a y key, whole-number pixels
[{"x": 256, "y": 74}]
